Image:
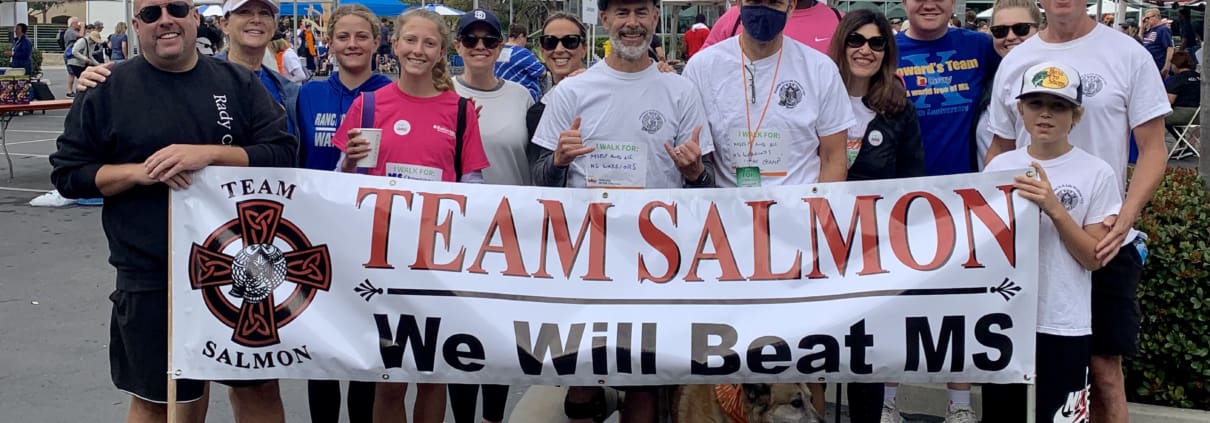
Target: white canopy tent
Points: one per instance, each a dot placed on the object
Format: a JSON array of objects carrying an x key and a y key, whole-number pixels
[{"x": 1107, "y": 7}]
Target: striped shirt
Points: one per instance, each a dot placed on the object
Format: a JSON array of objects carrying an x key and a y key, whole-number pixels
[{"x": 519, "y": 65}]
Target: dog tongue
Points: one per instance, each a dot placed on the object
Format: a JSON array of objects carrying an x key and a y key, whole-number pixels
[{"x": 728, "y": 396}]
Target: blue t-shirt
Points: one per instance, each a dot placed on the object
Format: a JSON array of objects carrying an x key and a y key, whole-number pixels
[
  {"x": 115, "y": 43},
  {"x": 1156, "y": 41},
  {"x": 945, "y": 79}
]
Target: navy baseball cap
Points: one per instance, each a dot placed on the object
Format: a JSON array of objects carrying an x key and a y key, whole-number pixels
[{"x": 476, "y": 16}]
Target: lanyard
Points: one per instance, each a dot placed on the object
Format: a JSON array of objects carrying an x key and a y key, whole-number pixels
[{"x": 772, "y": 85}]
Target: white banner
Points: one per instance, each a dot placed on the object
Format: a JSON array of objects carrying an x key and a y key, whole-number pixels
[{"x": 286, "y": 273}]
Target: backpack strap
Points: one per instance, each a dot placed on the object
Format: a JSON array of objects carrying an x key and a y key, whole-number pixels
[
  {"x": 367, "y": 109},
  {"x": 458, "y": 133},
  {"x": 735, "y": 28}
]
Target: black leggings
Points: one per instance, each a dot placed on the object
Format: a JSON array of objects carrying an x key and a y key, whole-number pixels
[
  {"x": 323, "y": 396},
  {"x": 462, "y": 402}
]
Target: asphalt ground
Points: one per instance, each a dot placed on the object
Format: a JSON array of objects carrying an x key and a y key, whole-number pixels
[{"x": 54, "y": 288}]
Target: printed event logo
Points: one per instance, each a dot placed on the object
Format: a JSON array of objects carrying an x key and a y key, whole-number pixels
[
  {"x": 1092, "y": 83},
  {"x": 272, "y": 251},
  {"x": 789, "y": 94},
  {"x": 652, "y": 121},
  {"x": 1069, "y": 196}
]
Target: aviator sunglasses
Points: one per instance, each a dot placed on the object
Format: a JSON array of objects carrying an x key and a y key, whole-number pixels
[
  {"x": 856, "y": 40},
  {"x": 570, "y": 42},
  {"x": 152, "y": 14},
  {"x": 489, "y": 42},
  {"x": 1019, "y": 29}
]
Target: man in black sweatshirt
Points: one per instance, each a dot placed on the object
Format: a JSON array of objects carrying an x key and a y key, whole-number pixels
[{"x": 162, "y": 115}]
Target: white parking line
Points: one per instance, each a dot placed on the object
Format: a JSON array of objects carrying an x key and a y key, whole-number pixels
[
  {"x": 22, "y": 189},
  {"x": 35, "y": 131},
  {"x": 30, "y": 155},
  {"x": 31, "y": 141}
]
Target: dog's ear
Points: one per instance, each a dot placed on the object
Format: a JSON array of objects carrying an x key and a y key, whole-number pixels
[{"x": 755, "y": 391}]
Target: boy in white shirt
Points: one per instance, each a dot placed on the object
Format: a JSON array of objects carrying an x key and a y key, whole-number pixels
[{"x": 1076, "y": 192}]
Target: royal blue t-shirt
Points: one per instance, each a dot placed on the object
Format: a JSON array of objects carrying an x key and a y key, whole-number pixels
[{"x": 945, "y": 79}]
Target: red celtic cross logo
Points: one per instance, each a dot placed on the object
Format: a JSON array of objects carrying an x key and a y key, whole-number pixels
[{"x": 257, "y": 270}]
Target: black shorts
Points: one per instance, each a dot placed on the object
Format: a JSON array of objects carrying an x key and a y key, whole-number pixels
[
  {"x": 1115, "y": 304},
  {"x": 74, "y": 70},
  {"x": 138, "y": 349},
  {"x": 1061, "y": 385}
]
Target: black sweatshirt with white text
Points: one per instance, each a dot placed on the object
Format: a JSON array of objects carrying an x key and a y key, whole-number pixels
[{"x": 140, "y": 110}]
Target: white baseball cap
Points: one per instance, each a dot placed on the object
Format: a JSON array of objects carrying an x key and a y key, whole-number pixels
[
  {"x": 1054, "y": 79},
  {"x": 233, "y": 5}
]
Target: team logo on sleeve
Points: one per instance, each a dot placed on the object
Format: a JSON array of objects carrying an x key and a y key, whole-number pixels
[
  {"x": 652, "y": 121},
  {"x": 789, "y": 94},
  {"x": 242, "y": 266},
  {"x": 1069, "y": 196},
  {"x": 1092, "y": 83}
]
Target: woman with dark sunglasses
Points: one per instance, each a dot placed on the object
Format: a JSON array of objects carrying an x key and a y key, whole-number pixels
[
  {"x": 885, "y": 142},
  {"x": 564, "y": 47},
  {"x": 1013, "y": 22}
]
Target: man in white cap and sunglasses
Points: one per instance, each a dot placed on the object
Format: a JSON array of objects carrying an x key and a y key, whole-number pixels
[{"x": 168, "y": 112}]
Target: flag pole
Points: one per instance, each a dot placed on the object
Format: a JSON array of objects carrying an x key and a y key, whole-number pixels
[{"x": 171, "y": 381}]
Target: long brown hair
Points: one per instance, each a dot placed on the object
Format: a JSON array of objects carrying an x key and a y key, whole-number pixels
[
  {"x": 442, "y": 78},
  {"x": 886, "y": 94}
]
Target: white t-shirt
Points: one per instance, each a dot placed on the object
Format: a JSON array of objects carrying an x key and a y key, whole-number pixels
[
  {"x": 863, "y": 116},
  {"x": 808, "y": 101},
  {"x": 502, "y": 125},
  {"x": 983, "y": 137},
  {"x": 294, "y": 67},
  {"x": 1084, "y": 184},
  {"x": 628, "y": 117},
  {"x": 1122, "y": 90}
]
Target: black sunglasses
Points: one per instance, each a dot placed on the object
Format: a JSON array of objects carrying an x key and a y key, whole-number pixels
[
  {"x": 1020, "y": 29},
  {"x": 152, "y": 14},
  {"x": 471, "y": 41},
  {"x": 856, "y": 40},
  {"x": 570, "y": 42}
]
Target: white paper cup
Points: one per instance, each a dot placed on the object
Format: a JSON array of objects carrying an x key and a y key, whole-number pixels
[{"x": 374, "y": 136}]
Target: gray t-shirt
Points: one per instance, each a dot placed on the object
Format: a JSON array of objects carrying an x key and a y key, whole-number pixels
[{"x": 69, "y": 37}]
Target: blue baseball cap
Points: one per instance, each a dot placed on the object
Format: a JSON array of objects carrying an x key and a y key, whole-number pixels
[{"x": 476, "y": 16}]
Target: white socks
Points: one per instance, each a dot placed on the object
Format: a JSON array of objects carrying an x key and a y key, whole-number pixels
[{"x": 888, "y": 395}]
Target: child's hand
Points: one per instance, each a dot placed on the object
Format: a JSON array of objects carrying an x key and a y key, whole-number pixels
[{"x": 1038, "y": 190}]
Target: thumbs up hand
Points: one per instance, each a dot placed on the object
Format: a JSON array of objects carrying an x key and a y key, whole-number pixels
[
  {"x": 688, "y": 156},
  {"x": 571, "y": 145}
]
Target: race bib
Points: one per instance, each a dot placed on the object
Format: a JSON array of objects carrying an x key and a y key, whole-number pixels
[
  {"x": 853, "y": 148},
  {"x": 747, "y": 177},
  {"x": 769, "y": 151},
  {"x": 413, "y": 172},
  {"x": 616, "y": 165}
]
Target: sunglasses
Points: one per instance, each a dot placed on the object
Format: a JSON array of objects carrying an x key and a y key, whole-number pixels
[
  {"x": 1019, "y": 29},
  {"x": 471, "y": 41},
  {"x": 570, "y": 42},
  {"x": 856, "y": 40},
  {"x": 152, "y": 14}
]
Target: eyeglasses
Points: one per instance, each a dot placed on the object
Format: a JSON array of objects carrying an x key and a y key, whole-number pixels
[
  {"x": 471, "y": 41},
  {"x": 856, "y": 40},
  {"x": 152, "y": 14},
  {"x": 570, "y": 42},
  {"x": 1019, "y": 29}
]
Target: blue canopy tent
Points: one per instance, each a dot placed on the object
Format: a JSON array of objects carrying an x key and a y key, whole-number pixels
[
  {"x": 304, "y": 8},
  {"x": 381, "y": 7}
]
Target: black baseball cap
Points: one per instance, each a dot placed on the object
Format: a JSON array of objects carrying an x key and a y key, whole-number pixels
[{"x": 476, "y": 16}]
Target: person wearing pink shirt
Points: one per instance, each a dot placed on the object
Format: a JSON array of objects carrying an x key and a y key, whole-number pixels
[
  {"x": 812, "y": 23},
  {"x": 421, "y": 118},
  {"x": 418, "y": 116}
]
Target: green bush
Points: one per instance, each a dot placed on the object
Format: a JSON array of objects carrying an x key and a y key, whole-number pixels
[
  {"x": 6, "y": 58},
  {"x": 1173, "y": 364}
]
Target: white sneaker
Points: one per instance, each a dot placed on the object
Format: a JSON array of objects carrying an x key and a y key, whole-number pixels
[
  {"x": 890, "y": 414},
  {"x": 51, "y": 199},
  {"x": 960, "y": 414}
]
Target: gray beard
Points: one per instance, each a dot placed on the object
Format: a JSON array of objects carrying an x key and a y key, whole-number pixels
[{"x": 629, "y": 53}]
